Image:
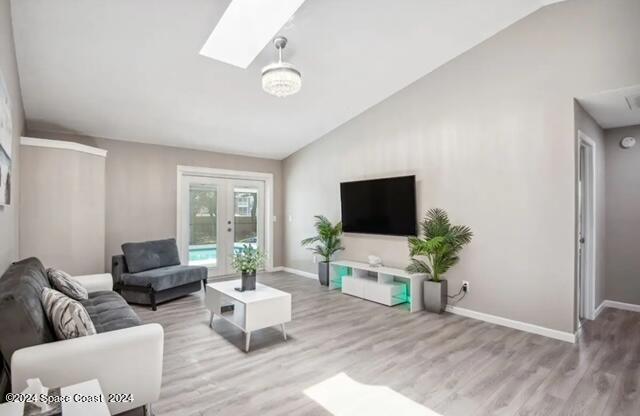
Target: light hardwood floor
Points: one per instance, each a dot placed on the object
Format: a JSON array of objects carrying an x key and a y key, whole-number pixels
[{"x": 450, "y": 364}]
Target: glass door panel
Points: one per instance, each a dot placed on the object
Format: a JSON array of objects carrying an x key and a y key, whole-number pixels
[
  {"x": 245, "y": 220},
  {"x": 203, "y": 225},
  {"x": 248, "y": 214},
  {"x": 203, "y": 210}
]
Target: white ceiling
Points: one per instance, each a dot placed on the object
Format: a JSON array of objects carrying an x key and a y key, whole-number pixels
[
  {"x": 131, "y": 70},
  {"x": 612, "y": 109}
]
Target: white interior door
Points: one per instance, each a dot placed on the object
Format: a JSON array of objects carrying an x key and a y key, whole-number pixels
[
  {"x": 220, "y": 216},
  {"x": 586, "y": 244},
  {"x": 582, "y": 215}
]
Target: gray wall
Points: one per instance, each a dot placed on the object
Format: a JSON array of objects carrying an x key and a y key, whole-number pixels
[
  {"x": 9, "y": 214},
  {"x": 141, "y": 187},
  {"x": 585, "y": 123},
  {"x": 623, "y": 217},
  {"x": 62, "y": 208},
  {"x": 491, "y": 138}
]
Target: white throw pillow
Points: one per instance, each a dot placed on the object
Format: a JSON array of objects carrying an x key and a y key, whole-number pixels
[
  {"x": 68, "y": 317},
  {"x": 63, "y": 282}
]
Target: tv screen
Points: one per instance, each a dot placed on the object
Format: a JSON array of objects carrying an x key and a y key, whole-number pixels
[{"x": 379, "y": 206}]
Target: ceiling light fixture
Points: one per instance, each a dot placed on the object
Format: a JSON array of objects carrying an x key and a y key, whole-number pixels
[{"x": 281, "y": 78}]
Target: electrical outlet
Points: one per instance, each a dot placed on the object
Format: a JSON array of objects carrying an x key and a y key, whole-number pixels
[{"x": 465, "y": 286}]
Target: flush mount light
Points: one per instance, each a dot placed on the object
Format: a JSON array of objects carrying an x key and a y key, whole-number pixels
[{"x": 281, "y": 78}]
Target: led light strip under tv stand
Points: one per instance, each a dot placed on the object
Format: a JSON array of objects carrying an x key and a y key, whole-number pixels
[{"x": 386, "y": 285}]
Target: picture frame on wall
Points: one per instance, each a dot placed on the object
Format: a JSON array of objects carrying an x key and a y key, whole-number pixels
[{"x": 6, "y": 139}]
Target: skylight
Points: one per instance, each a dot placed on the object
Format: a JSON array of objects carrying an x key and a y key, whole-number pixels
[{"x": 245, "y": 28}]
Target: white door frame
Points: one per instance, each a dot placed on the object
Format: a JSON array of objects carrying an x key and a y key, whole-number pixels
[
  {"x": 269, "y": 217},
  {"x": 587, "y": 294}
]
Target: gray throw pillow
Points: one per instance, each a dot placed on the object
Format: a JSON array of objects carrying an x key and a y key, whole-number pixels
[
  {"x": 63, "y": 282},
  {"x": 68, "y": 317}
]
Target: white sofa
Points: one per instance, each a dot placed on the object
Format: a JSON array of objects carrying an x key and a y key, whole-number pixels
[{"x": 127, "y": 360}]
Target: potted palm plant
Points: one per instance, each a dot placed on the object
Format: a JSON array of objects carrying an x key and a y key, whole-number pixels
[
  {"x": 246, "y": 261},
  {"x": 435, "y": 253},
  {"x": 325, "y": 244}
]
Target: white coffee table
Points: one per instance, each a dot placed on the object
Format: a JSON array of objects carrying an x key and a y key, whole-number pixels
[{"x": 252, "y": 309}]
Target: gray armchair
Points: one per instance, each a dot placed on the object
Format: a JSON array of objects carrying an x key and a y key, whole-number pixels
[{"x": 150, "y": 273}]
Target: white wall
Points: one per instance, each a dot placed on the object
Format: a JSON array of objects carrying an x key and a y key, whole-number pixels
[
  {"x": 623, "y": 217},
  {"x": 62, "y": 208},
  {"x": 491, "y": 138},
  {"x": 141, "y": 187},
  {"x": 9, "y": 214}
]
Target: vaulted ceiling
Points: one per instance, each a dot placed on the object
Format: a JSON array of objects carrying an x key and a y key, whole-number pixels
[{"x": 131, "y": 70}]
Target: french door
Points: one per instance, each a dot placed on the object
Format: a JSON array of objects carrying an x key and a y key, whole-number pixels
[{"x": 220, "y": 216}]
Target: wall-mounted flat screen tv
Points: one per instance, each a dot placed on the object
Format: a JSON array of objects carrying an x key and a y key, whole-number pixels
[{"x": 379, "y": 206}]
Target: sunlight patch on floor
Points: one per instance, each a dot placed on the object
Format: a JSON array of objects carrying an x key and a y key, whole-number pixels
[{"x": 343, "y": 396}]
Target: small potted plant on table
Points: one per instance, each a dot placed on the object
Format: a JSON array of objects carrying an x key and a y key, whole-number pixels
[
  {"x": 436, "y": 253},
  {"x": 327, "y": 243},
  {"x": 246, "y": 261}
]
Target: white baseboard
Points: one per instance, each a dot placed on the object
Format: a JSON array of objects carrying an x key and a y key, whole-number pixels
[
  {"x": 522, "y": 326},
  {"x": 599, "y": 309},
  {"x": 277, "y": 269},
  {"x": 618, "y": 305},
  {"x": 577, "y": 334},
  {"x": 300, "y": 273}
]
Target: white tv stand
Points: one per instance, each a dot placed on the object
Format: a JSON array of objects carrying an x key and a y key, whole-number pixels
[{"x": 386, "y": 285}]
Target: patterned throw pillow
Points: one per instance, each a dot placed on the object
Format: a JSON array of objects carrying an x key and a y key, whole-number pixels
[
  {"x": 68, "y": 317},
  {"x": 63, "y": 282}
]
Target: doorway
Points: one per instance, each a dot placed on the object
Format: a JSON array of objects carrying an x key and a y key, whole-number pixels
[
  {"x": 220, "y": 213},
  {"x": 586, "y": 229}
]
